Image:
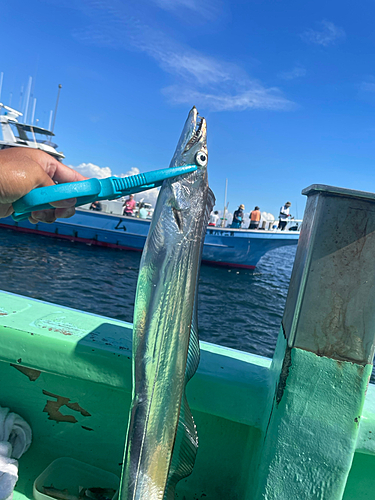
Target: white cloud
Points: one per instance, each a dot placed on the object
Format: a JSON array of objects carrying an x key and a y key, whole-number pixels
[
  {"x": 367, "y": 87},
  {"x": 91, "y": 170},
  {"x": 256, "y": 97},
  {"x": 296, "y": 72},
  {"x": 149, "y": 196},
  {"x": 204, "y": 70},
  {"x": 207, "y": 9},
  {"x": 327, "y": 35},
  {"x": 267, "y": 216},
  {"x": 132, "y": 171},
  {"x": 219, "y": 85}
]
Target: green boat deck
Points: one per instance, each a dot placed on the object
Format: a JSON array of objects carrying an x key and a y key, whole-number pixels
[{"x": 68, "y": 374}]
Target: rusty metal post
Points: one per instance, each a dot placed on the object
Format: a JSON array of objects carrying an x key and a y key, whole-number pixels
[{"x": 325, "y": 351}]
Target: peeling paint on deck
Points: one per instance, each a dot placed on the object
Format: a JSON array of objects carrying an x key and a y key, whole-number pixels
[
  {"x": 58, "y": 323},
  {"x": 53, "y": 408},
  {"x": 29, "y": 372}
]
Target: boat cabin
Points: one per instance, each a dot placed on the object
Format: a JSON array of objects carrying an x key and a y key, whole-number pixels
[{"x": 15, "y": 134}]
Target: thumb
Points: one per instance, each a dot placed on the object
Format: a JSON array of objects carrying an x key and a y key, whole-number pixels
[{"x": 44, "y": 180}]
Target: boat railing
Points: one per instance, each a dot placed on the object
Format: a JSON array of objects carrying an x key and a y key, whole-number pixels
[
  {"x": 115, "y": 207},
  {"x": 268, "y": 226},
  {"x": 272, "y": 225}
]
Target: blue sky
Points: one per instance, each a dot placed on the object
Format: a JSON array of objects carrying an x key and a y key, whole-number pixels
[{"x": 287, "y": 88}]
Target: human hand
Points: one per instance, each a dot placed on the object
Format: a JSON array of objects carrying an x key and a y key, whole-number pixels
[{"x": 24, "y": 169}]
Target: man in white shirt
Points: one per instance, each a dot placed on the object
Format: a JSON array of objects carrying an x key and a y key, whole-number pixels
[
  {"x": 214, "y": 218},
  {"x": 283, "y": 215}
]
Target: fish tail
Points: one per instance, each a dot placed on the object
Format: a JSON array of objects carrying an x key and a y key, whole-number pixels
[
  {"x": 184, "y": 452},
  {"x": 186, "y": 442}
]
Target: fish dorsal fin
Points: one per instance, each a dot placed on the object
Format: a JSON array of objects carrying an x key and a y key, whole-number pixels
[
  {"x": 209, "y": 205},
  {"x": 186, "y": 444}
]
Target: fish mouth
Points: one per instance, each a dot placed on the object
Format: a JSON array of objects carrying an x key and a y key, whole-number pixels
[
  {"x": 198, "y": 131},
  {"x": 193, "y": 138}
]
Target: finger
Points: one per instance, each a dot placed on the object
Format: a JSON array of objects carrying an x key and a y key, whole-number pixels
[
  {"x": 66, "y": 174},
  {"x": 47, "y": 216},
  {"x": 64, "y": 213},
  {"x": 39, "y": 179},
  {"x": 56, "y": 170},
  {"x": 5, "y": 210},
  {"x": 60, "y": 173},
  {"x": 40, "y": 167},
  {"x": 45, "y": 181},
  {"x": 32, "y": 220},
  {"x": 19, "y": 177},
  {"x": 50, "y": 216},
  {"x": 70, "y": 202}
]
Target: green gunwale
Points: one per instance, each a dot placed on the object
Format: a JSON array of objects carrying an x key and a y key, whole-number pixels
[{"x": 86, "y": 359}]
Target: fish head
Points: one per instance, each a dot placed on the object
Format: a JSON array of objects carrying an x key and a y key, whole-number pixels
[{"x": 192, "y": 146}]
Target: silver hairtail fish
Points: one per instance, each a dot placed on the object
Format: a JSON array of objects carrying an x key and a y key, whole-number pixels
[{"x": 162, "y": 441}]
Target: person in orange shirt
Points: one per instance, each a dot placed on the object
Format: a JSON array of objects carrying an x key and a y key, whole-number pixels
[{"x": 254, "y": 218}]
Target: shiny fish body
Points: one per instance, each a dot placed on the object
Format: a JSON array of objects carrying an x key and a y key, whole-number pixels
[{"x": 162, "y": 440}]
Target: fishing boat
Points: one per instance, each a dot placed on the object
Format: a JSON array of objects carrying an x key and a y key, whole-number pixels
[
  {"x": 301, "y": 425},
  {"x": 15, "y": 134},
  {"x": 236, "y": 248}
]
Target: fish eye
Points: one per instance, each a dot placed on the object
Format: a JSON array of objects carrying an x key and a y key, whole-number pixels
[{"x": 201, "y": 158}]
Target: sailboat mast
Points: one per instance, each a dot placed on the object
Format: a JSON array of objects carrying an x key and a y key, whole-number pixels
[{"x": 225, "y": 203}]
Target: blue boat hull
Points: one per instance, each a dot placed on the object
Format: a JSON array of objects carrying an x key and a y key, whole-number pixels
[{"x": 223, "y": 247}]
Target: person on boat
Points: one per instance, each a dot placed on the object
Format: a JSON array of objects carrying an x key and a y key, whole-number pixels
[
  {"x": 24, "y": 169},
  {"x": 96, "y": 205},
  {"x": 238, "y": 217},
  {"x": 284, "y": 215},
  {"x": 214, "y": 218},
  {"x": 143, "y": 212},
  {"x": 129, "y": 206},
  {"x": 254, "y": 218}
]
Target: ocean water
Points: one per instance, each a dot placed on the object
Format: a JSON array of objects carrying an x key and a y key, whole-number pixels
[{"x": 237, "y": 308}]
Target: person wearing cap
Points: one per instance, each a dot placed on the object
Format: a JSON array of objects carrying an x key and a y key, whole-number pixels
[
  {"x": 254, "y": 218},
  {"x": 238, "y": 217},
  {"x": 283, "y": 215}
]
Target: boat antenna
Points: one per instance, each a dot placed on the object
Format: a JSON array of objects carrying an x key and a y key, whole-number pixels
[
  {"x": 225, "y": 203},
  {"x": 33, "y": 113},
  {"x": 27, "y": 98},
  {"x": 57, "y": 102},
  {"x": 1, "y": 82},
  {"x": 21, "y": 95}
]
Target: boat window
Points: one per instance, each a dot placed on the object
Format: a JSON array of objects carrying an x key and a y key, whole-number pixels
[{"x": 20, "y": 133}]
